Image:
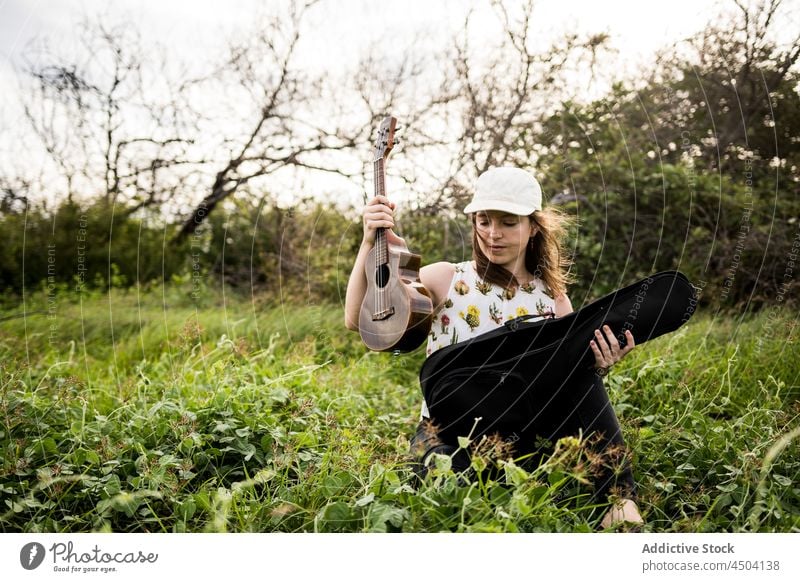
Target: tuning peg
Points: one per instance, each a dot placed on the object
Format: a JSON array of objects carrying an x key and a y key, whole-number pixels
[{"x": 398, "y": 127}]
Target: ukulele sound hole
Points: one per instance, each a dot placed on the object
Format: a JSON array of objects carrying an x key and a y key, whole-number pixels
[{"x": 382, "y": 275}]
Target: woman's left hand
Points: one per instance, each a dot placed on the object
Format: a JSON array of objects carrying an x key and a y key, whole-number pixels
[{"x": 607, "y": 351}]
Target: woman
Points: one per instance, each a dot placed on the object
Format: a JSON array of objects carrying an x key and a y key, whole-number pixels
[{"x": 516, "y": 269}]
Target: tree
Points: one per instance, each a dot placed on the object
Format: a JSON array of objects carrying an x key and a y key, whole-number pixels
[
  {"x": 732, "y": 90},
  {"x": 505, "y": 93},
  {"x": 695, "y": 168},
  {"x": 277, "y": 126},
  {"x": 103, "y": 127}
]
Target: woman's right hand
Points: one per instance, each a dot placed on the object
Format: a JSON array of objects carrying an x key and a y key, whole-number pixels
[{"x": 379, "y": 213}]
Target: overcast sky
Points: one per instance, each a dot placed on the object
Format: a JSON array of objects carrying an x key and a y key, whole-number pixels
[
  {"x": 342, "y": 27},
  {"x": 338, "y": 32}
]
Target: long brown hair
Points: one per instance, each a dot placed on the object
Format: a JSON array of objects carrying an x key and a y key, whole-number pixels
[{"x": 545, "y": 257}]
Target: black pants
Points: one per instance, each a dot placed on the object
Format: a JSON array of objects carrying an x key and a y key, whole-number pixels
[{"x": 585, "y": 409}]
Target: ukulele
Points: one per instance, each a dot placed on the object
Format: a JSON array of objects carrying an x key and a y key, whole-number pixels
[{"x": 397, "y": 309}]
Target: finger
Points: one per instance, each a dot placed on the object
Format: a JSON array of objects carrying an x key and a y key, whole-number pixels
[
  {"x": 380, "y": 214},
  {"x": 599, "y": 359},
  {"x": 379, "y": 218},
  {"x": 381, "y": 200},
  {"x": 601, "y": 341},
  {"x": 631, "y": 342},
  {"x": 381, "y": 224},
  {"x": 612, "y": 340},
  {"x": 371, "y": 209}
]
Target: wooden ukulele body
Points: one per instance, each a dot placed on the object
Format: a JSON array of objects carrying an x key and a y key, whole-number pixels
[{"x": 401, "y": 319}]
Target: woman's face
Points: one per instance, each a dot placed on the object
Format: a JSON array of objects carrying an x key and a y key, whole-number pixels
[{"x": 503, "y": 237}]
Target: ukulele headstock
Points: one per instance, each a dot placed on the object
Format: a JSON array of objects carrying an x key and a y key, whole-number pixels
[{"x": 385, "y": 141}]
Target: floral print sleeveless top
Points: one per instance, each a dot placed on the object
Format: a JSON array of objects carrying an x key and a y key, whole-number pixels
[{"x": 474, "y": 307}]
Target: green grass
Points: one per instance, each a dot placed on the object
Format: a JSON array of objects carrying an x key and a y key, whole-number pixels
[{"x": 149, "y": 411}]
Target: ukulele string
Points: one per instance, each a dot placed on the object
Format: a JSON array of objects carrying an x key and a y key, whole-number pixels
[
  {"x": 382, "y": 188},
  {"x": 377, "y": 236},
  {"x": 378, "y": 240}
]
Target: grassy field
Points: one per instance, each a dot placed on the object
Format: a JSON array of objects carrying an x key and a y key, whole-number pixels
[{"x": 150, "y": 411}]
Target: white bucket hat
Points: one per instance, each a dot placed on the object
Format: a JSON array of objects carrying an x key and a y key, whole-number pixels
[{"x": 506, "y": 189}]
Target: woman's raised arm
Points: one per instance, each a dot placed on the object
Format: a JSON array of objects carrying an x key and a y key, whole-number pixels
[{"x": 378, "y": 213}]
